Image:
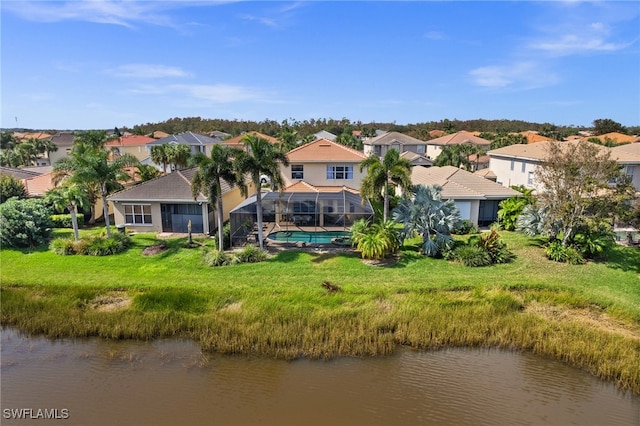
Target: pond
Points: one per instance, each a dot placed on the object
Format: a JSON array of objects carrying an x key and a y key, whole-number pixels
[{"x": 170, "y": 382}]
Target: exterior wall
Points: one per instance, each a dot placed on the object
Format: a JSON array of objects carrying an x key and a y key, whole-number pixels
[
  {"x": 62, "y": 152},
  {"x": 518, "y": 176},
  {"x": 156, "y": 217},
  {"x": 229, "y": 201},
  {"x": 433, "y": 151},
  {"x": 316, "y": 174},
  {"x": 468, "y": 210},
  {"x": 139, "y": 151},
  {"x": 633, "y": 170}
]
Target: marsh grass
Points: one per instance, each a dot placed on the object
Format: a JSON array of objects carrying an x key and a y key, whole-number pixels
[{"x": 280, "y": 308}]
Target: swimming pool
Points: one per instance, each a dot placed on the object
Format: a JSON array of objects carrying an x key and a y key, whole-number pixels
[{"x": 319, "y": 237}]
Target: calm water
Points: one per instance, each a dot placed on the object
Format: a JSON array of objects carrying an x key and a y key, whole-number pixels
[
  {"x": 172, "y": 382},
  {"x": 321, "y": 237}
]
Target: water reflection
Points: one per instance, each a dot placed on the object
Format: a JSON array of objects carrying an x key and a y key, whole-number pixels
[{"x": 171, "y": 382}]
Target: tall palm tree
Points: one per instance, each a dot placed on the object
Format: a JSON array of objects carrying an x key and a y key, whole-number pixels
[
  {"x": 179, "y": 155},
  {"x": 69, "y": 197},
  {"x": 392, "y": 170},
  {"x": 160, "y": 155},
  {"x": 213, "y": 170},
  {"x": 87, "y": 166},
  {"x": 261, "y": 158}
]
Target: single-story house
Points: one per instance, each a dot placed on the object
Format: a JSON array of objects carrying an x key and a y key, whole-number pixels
[
  {"x": 166, "y": 204},
  {"x": 198, "y": 143},
  {"x": 417, "y": 159},
  {"x": 477, "y": 198}
]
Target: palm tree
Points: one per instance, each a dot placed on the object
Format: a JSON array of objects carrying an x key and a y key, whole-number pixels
[
  {"x": 160, "y": 155},
  {"x": 147, "y": 172},
  {"x": 392, "y": 170},
  {"x": 209, "y": 179},
  {"x": 69, "y": 197},
  {"x": 427, "y": 215},
  {"x": 261, "y": 159},
  {"x": 88, "y": 166},
  {"x": 179, "y": 155}
]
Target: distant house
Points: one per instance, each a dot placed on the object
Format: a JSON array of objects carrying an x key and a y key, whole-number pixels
[
  {"x": 37, "y": 183},
  {"x": 534, "y": 137},
  {"x": 133, "y": 144},
  {"x": 517, "y": 164},
  {"x": 477, "y": 198},
  {"x": 64, "y": 142},
  {"x": 324, "y": 163},
  {"x": 166, "y": 204},
  {"x": 435, "y": 146},
  {"x": 323, "y": 134},
  {"x": 417, "y": 159},
  {"x": 394, "y": 140},
  {"x": 628, "y": 155},
  {"x": 196, "y": 142},
  {"x": 219, "y": 134},
  {"x": 237, "y": 141},
  {"x": 616, "y": 138}
]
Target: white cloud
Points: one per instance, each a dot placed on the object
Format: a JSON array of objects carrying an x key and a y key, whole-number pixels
[
  {"x": 435, "y": 35},
  {"x": 147, "y": 71},
  {"x": 213, "y": 93},
  {"x": 519, "y": 75},
  {"x": 569, "y": 44}
]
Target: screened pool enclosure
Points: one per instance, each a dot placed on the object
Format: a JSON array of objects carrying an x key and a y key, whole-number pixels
[{"x": 326, "y": 209}]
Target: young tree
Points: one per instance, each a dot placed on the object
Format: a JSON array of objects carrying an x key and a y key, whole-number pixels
[
  {"x": 146, "y": 172},
  {"x": 392, "y": 170},
  {"x": 69, "y": 197},
  {"x": 425, "y": 214},
  {"x": 89, "y": 166},
  {"x": 607, "y": 125},
  {"x": 213, "y": 171},
  {"x": 261, "y": 158},
  {"x": 581, "y": 183}
]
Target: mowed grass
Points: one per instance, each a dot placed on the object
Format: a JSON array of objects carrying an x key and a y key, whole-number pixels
[{"x": 587, "y": 315}]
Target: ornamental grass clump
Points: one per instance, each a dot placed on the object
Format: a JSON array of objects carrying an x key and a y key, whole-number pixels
[
  {"x": 483, "y": 250},
  {"x": 91, "y": 246}
]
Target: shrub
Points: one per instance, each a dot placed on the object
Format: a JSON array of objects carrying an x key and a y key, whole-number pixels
[
  {"x": 63, "y": 246},
  {"x": 64, "y": 220},
  {"x": 24, "y": 223},
  {"x": 93, "y": 246},
  {"x": 492, "y": 243},
  {"x": 252, "y": 254},
  {"x": 557, "y": 252},
  {"x": 472, "y": 255},
  {"x": 216, "y": 258},
  {"x": 465, "y": 227}
]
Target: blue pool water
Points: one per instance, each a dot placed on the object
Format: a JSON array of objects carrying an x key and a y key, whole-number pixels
[{"x": 320, "y": 237}]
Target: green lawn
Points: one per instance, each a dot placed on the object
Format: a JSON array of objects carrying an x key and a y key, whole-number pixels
[{"x": 586, "y": 315}]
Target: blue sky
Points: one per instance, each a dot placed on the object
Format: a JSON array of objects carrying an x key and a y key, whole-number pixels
[{"x": 100, "y": 64}]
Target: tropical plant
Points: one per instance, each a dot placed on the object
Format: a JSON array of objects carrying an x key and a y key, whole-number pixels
[
  {"x": 512, "y": 207},
  {"x": 427, "y": 215},
  {"x": 375, "y": 240},
  {"x": 179, "y": 155},
  {"x": 472, "y": 256},
  {"x": 10, "y": 187},
  {"x": 260, "y": 159},
  {"x": 457, "y": 155},
  {"x": 495, "y": 247},
  {"x": 69, "y": 197},
  {"x": 146, "y": 172},
  {"x": 160, "y": 154},
  {"x": 210, "y": 176},
  {"x": 89, "y": 165},
  {"x": 391, "y": 171},
  {"x": 24, "y": 223}
]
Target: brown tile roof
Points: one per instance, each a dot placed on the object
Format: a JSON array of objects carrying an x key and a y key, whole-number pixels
[
  {"x": 174, "y": 187},
  {"x": 394, "y": 138},
  {"x": 460, "y": 184},
  {"x": 628, "y": 153},
  {"x": 460, "y": 138},
  {"x": 534, "y": 137},
  {"x": 322, "y": 151},
  {"x": 437, "y": 133},
  {"x": 133, "y": 140},
  {"x": 537, "y": 151},
  {"x": 618, "y": 138},
  {"x": 303, "y": 186},
  {"x": 486, "y": 173},
  {"x": 38, "y": 185},
  {"x": 236, "y": 141},
  {"x": 33, "y": 135},
  {"x": 159, "y": 134}
]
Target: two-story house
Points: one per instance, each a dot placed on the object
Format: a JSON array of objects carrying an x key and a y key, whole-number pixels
[
  {"x": 379, "y": 145},
  {"x": 130, "y": 144},
  {"x": 435, "y": 146}
]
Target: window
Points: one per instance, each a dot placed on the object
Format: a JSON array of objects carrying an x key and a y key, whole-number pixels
[
  {"x": 420, "y": 149},
  {"x": 339, "y": 172},
  {"x": 530, "y": 178},
  {"x": 513, "y": 164},
  {"x": 377, "y": 150},
  {"x": 137, "y": 214},
  {"x": 297, "y": 171},
  {"x": 524, "y": 165}
]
